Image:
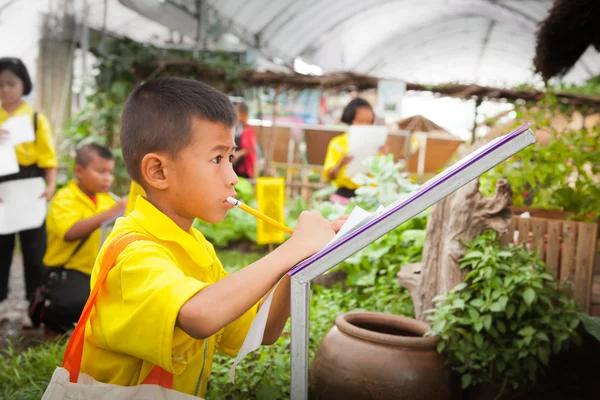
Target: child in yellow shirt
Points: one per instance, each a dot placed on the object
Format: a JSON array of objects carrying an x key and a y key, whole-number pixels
[
  {"x": 73, "y": 224},
  {"x": 357, "y": 112},
  {"x": 36, "y": 159},
  {"x": 168, "y": 302}
]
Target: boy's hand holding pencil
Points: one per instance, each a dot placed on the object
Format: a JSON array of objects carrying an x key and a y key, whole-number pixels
[{"x": 311, "y": 224}]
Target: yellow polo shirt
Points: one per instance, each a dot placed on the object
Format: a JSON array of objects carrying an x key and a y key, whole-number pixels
[
  {"x": 135, "y": 190},
  {"x": 134, "y": 327},
  {"x": 69, "y": 206},
  {"x": 338, "y": 146},
  {"x": 40, "y": 152}
]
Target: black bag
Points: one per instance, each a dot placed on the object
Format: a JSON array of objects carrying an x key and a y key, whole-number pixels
[{"x": 58, "y": 302}]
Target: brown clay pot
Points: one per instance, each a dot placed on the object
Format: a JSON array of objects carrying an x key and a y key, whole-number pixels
[{"x": 369, "y": 355}]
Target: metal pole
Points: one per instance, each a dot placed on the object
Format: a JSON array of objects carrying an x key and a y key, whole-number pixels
[{"x": 300, "y": 313}]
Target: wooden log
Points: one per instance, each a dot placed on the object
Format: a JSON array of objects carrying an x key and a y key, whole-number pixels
[{"x": 459, "y": 217}]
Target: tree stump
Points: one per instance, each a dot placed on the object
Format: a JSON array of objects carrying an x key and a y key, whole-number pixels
[{"x": 458, "y": 218}]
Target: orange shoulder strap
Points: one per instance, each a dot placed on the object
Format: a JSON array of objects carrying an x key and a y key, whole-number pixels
[{"x": 74, "y": 352}]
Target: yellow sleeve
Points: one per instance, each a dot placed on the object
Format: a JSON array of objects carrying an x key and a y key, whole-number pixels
[
  {"x": 332, "y": 157},
  {"x": 232, "y": 337},
  {"x": 64, "y": 212},
  {"x": 137, "y": 313},
  {"x": 134, "y": 191},
  {"x": 46, "y": 153}
]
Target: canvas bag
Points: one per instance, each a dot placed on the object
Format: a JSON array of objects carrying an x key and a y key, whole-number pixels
[{"x": 69, "y": 383}]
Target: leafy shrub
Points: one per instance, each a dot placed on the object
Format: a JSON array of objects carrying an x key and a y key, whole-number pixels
[{"x": 506, "y": 319}]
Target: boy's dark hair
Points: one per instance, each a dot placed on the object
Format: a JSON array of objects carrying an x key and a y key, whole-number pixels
[
  {"x": 86, "y": 153},
  {"x": 158, "y": 117},
  {"x": 350, "y": 111},
  {"x": 16, "y": 66}
]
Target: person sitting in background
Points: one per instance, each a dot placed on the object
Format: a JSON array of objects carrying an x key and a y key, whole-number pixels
[
  {"x": 73, "y": 221},
  {"x": 357, "y": 112},
  {"x": 245, "y": 157}
]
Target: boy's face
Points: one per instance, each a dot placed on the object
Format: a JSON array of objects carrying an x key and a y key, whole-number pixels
[
  {"x": 97, "y": 176},
  {"x": 202, "y": 175}
]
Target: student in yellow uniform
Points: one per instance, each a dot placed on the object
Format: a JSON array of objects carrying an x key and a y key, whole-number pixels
[
  {"x": 168, "y": 302},
  {"x": 73, "y": 223},
  {"x": 357, "y": 112},
  {"x": 36, "y": 159}
]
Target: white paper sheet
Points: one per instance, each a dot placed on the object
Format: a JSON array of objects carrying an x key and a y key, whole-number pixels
[
  {"x": 8, "y": 160},
  {"x": 21, "y": 206},
  {"x": 20, "y": 128},
  {"x": 256, "y": 332},
  {"x": 364, "y": 141}
]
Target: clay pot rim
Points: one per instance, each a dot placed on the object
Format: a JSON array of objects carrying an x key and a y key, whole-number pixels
[{"x": 345, "y": 323}]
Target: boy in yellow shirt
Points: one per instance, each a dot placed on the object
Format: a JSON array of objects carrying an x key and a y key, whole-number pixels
[
  {"x": 76, "y": 213},
  {"x": 168, "y": 302}
]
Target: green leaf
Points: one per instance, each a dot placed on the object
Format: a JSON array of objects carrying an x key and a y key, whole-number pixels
[
  {"x": 459, "y": 303},
  {"x": 500, "y": 364},
  {"x": 496, "y": 307},
  {"x": 459, "y": 287},
  {"x": 505, "y": 254},
  {"x": 439, "y": 326},
  {"x": 529, "y": 296},
  {"x": 501, "y": 326},
  {"x": 440, "y": 346},
  {"x": 466, "y": 380},
  {"x": 477, "y": 303},
  {"x": 527, "y": 331},
  {"x": 547, "y": 277},
  {"x": 542, "y": 336},
  {"x": 473, "y": 314},
  {"x": 472, "y": 254},
  {"x": 543, "y": 354},
  {"x": 522, "y": 310},
  {"x": 510, "y": 310},
  {"x": 478, "y": 326},
  {"x": 478, "y": 339},
  {"x": 487, "y": 322},
  {"x": 556, "y": 346},
  {"x": 591, "y": 324}
]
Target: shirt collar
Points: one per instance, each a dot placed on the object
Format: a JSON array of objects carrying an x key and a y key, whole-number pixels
[{"x": 164, "y": 228}]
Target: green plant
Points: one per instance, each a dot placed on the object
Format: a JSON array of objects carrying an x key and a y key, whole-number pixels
[
  {"x": 25, "y": 375},
  {"x": 265, "y": 374},
  {"x": 383, "y": 184},
  {"x": 563, "y": 175},
  {"x": 503, "y": 323},
  {"x": 123, "y": 64}
]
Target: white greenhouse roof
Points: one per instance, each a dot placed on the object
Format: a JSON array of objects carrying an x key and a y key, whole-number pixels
[{"x": 429, "y": 41}]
